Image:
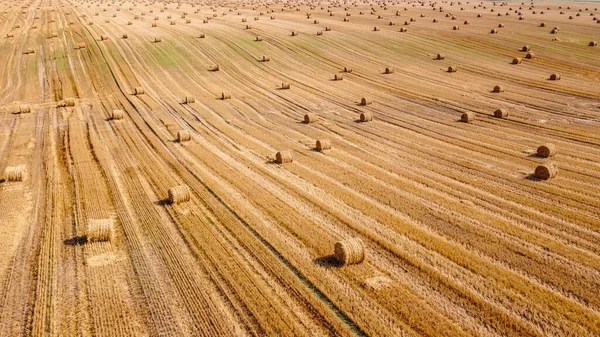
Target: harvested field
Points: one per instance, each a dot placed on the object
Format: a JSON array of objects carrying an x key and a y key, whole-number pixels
[{"x": 225, "y": 182}]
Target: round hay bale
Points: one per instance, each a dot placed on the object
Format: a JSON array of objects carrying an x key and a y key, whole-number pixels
[
  {"x": 189, "y": 99},
  {"x": 517, "y": 60},
  {"x": 467, "y": 22},
  {"x": 183, "y": 136},
  {"x": 365, "y": 101},
  {"x": 452, "y": 69},
  {"x": 530, "y": 55},
  {"x": 179, "y": 194},
  {"x": 216, "y": 67},
  {"x": 328, "y": 29},
  {"x": 125, "y": 36},
  {"x": 258, "y": 38},
  {"x": 81, "y": 45},
  {"x": 526, "y": 48},
  {"x": 14, "y": 173},
  {"x": 501, "y": 113},
  {"x": 366, "y": 116},
  {"x": 10, "y": 35},
  {"x": 593, "y": 44},
  {"x": 138, "y": 91},
  {"x": 440, "y": 57},
  {"x": 319, "y": 32},
  {"x": 350, "y": 251},
  {"x": 455, "y": 28},
  {"x": 310, "y": 118},
  {"x": 498, "y": 89},
  {"x": 100, "y": 230},
  {"x": 154, "y": 25},
  {"x": 103, "y": 37},
  {"x": 494, "y": 31},
  {"x": 376, "y": 29},
  {"x": 554, "y": 31},
  {"x": 323, "y": 144},
  {"x": 542, "y": 24},
  {"x": 225, "y": 96},
  {"x": 117, "y": 114},
  {"x": 283, "y": 157},
  {"x": 285, "y": 85},
  {"x": 29, "y": 51},
  {"x": 389, "y": 70},
  {"x": 500, "y": 25},
  {"x": 435, "y": 20},
  {"x": 403, "y": 30},
  {"x": 129, "y": 23},
  {"x": 294, "y": 33},
  {"x": 467, "y": 117},
  {"x": 266, "y": 58},
  {"x": 546, "y": 171},
  {"x": 24, "y": 108},
  {"x": 157, "y": 40},
  {"x": 347, "y": 70},
  {"x": 555, "y": 77},
  {"x": 202, "y": 36},
  {"x": 546, "y": 150},
  {"x": 338, "y": 77}
]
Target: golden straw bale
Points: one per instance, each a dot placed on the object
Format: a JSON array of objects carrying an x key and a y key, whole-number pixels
[
  {"x": 546, "y": 171},
  {"x": 323, "y": 144},
  {"x": 546, "y": 150},
  {"x": 310, "y": 118},
  {"x": 179, "y": 194},
  {"x": 501, "y": 113},
  {"x": 100, "y": 230},
  {"x": 183, "y": 136},
  {"x": 14, "y": 173},
  {"x": 366, "y": 116},
  {"x": 350, "y": 251},
  {"x": 283, "y": 157},
  {"x": 467, "y": 117}
]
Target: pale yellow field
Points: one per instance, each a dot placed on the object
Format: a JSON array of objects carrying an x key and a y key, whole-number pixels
[{"x": 461, "y": 238}]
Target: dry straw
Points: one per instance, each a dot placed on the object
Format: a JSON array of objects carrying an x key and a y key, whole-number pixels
[
  {"x": 283, "y": 157},
  {"x": 452, "y": 69},
  {"x": 546, "y": 150},
  {"x": 365, "y": 101},
  {"x": 350, "y": 251},
  {"x": 389, "y": 70},
  {"x": 366, "y": 116},
  {"x": 310, "y": 118},
  {"x": 517, "y": 60},
  {"x": 183, "y": 136},
  {"x": 117, "y": 114},
  {"x": 467, "y": 117},
  {"x": 498, "y": 89},
  {"x": 100, "y": 230},
  {"x": 555, "y": 77},
  {"x": 530, "y": 55},
  {"x": 14, "y": 173},
  {"x": 179, "y": 194},
  {"x": 338, "y": 77},
  {"x": 546, "y": 171},
  {"x": 323, "y": 144},
  {"x": 501, "y": 113},
  {"x": 440, "y": 57}
]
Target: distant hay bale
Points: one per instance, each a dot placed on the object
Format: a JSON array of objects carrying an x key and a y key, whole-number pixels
[
  {"x": 440, "y": 57},
  {"x": 546, "y": 150},
  {"x": 310, "y": 118},
  {"x": 376, "y": 29},
  {"x": 285, "y": 85},
  {"x": 366, "y": 116},
  {"x": 517, "y": 60},
  {"x": 129, "y": 23},
  {"x": 154, "y": 25},
  {"x": 467, "y": 22},
  {"x": 555, "y": 77},
  {"x": 389, "y": 70},
  {"x": 521, "y": 18},
  {"x": 179, "y": 194},
  {"x": 125, "y": 36},
  {"x": 258, "y": 38},
  {"x": 138, "y": 91},
  {"x": 554, "y": 31},
  {"x": 546, "y": 171},
  {"x": 455, "y": 28},
  {"x": 103, "y": 37},
  {"x": 283, "y": 157},
  {"x": 29, "y": 51},
  {"x": 14, "y": 173},
  {"x": 407, "y": 23},
  {"x": 10, "y": 35},
  {"x": 500, "y": 25},
  {"x": 435, "y": 20},
  {"x": 350, "y": 251},
  {"x": 173, "y": 23},
  {"x": 294, "y": 33},
  {"x": 323, "y": 144},
  {"x": 225, "y": 96},
  {"x": 188, "y": 21},
  {"x": 202, "y": 36},
  {"x": 327, "y": 29},
  {"x": 157, "y": 40},
  {"x": 452, "y": 69},
  {"x": 494, "y": 31},
  {"x": 347, "y": 70},
  {"x": 467, "y": 117},
  {"x": 526, "y": 48},
  {"x": 338, "y": 77},
  {"x": 24, "y": 108},
  {"x": 593, "y": 44},
  {"x": 542, "y": 24},
  {"x": 81, "y": 45},
  {"x": 215, "y": 67},
  {"x": 117, "y": 114},
  {"x": 266, "y": 58},
  {"x": 100, "y": 230},
  {"x": 530, "y": 55},
  {"x": 183, "y": 136},
  {"x": 498, "y": 89},
  {"x": 189, "y": 99},
  {"x": 319, "y": 32},
  {"x": 501, "y": 113},
  {"x": 392, "y": 23},
  {"x": 70, "y": 102}
]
